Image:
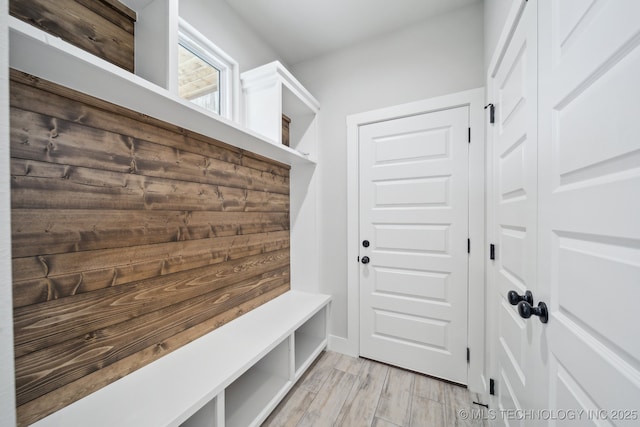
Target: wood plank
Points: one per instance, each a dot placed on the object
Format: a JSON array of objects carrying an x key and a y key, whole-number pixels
[
  {"x": 44, "y": 138},
  {"x": 40, "y": 325},
  {"x": 325, "y": 408},
  {"x": 379, "y": 422},
  {"x": 43, "y": 371},
  {"x": 428, "y": 387},
  {"x": 455, "y": 399},
  {"x": 79, "y": 26},
  {"x": 349, "y": 364},
  {"x": 67, "y": 394},
  {"x": 39, "y": 185},
  {"x": 291, "y": 409},
  {"x": 30, "y": 93},
  {"x": 315, "y": 378},
  {"x": 395, "y": 400},
  {"x": 426, "y": 412},
  {"x": 114, "y": 11},
  {"x": 165, "y": 258},
  {"x": 44, "y": 232},
  {"x": 65, "y": 275},
  {"x": 360, "y": 406}
]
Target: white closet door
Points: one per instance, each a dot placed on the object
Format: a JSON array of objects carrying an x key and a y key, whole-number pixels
[
  {"x": 517, "y": 347},
  {"x": 589, "y": 204}
]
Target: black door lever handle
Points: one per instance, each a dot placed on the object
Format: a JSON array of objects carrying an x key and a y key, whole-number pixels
[
  {"x": 515, "y": 298},
  {"x": 526, "y": 311}
]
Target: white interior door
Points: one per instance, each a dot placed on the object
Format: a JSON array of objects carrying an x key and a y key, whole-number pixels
[
  {"x": 414, "y": 214},
  {"x": 589, "y": 193},
  {"x": 517, "y": 347}
]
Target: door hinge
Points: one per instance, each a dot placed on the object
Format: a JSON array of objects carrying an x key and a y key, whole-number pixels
[
  {"x": 469, "y": 135},
  {"x": 468, "y": 355},
  {"x": 468, "y": 246},
  {"x": 492, "y": 251},
  {"x": 492, "y": 387},
  {"x": 492, "y": 112},
  {"x": 358, "y": 258}
]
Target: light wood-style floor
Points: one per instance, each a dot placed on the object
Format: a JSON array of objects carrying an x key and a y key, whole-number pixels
[{"x": 352, "y": 392}]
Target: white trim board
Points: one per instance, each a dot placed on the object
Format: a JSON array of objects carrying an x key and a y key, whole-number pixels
[
  {"x": 477, "y": 287},
  {"x": 7, "y": 374}
]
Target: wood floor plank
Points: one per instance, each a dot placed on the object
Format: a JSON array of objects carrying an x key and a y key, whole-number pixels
[
  {"x": 352, "y": 365},
  {"x": 426, "y": 412},
  {"x": 457, "y": 398},
  {"x": 291, "y": 410},
  {"x": 380, "y": 396},
  {"x": 319, "y": 374},
  {"x": 360, "y": 406},
  {"x": 429, "y": 387},
  {"x": 395, "y": 400},
  {"x": 326, "y": 406},
  {"x": 379, "y": 422}
]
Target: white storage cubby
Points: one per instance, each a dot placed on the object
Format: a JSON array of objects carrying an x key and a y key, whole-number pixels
[
  {"x": 308, "y": 338},
  {"x": 264, "y": 383},
  {"x": 207, "y": 416},
  {"x": 271, "y": 91}
]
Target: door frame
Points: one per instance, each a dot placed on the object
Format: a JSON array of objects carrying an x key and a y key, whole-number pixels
[{"x": 477, "y": 380}]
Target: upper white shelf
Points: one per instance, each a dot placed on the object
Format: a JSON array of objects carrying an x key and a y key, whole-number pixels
[{"x": 35, "y": 52}]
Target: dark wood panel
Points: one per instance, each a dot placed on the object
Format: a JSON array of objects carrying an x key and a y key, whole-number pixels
[
  {"x": 44, "y": 138},
  {"x": 33, "y": 94},
  {"x": 45, "y": 277},
  {"x": 41, "y": 185},
  {"x": 79, "y": 26},
  {"x": 40, "y": 325},
  {"x": 43, "y": 371},
  {"x": 40, "y": 407},
  {"x": 114, "y": 11},
  {"x": 45, "y": 232},
  {"x": 131, "y": 237}
]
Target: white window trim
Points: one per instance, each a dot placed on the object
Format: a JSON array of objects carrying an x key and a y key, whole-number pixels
[{"x": 229, "y": 82}]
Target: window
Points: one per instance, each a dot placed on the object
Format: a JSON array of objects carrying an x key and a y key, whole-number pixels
[{"x": 207, "y": 76}]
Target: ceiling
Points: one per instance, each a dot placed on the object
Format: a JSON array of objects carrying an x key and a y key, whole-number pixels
[{"x": 302, "y": 29}]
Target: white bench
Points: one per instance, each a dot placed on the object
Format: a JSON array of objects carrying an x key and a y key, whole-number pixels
[{"x": 232, "y": 377}]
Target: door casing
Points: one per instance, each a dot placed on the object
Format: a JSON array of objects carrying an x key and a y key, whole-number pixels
[{"x": 477, "y": 368}]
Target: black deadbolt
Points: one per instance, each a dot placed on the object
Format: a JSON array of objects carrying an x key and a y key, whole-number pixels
[
  {"x": 365, "y": 243},
  {"x": 365, "y": 260}
]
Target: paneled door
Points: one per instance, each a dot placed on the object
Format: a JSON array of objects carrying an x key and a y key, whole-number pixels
[
  {"x": 566, "y": 205},
  {"x": 413, "y": 230},
  {"x": 514, "y": 164},
  {"x": 589, "y": 213}
]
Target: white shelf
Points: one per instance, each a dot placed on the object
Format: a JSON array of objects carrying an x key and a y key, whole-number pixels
[{"x": 35, "y": 52}]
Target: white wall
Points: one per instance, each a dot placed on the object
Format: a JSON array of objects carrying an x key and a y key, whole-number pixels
[
  {"x": 439, "y": 56},
  {"x": 495, "y": 15},
  {"x": 7, "y": 394},
  {"x": 217, "y": 21}
]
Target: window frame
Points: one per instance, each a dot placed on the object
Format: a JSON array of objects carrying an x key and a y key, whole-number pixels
[{"x": 229, "y": 74}]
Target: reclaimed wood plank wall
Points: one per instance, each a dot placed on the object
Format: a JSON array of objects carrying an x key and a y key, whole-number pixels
[
  {"x": 104, "y": 28},
  {"x": 131, "y": 237}
]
